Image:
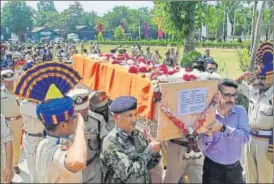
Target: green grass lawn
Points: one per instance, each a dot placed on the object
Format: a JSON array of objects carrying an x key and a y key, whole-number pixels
[{"x": 226, "y": 58}]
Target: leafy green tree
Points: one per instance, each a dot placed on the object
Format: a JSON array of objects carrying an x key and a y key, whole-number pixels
[
  {"x": 119, "y": 33},
  {"x": 89, "y": 19},
  {"x": 267, "y": 27},
  {"x": 100, "y": 37},
  {"x": 17, "y": 17},
  {"x": 45, "y": 12},
  {"x": 73, "y": 16},
  {"x": 162, "y": 17},
  {"x": 46, "y": 5},
  {"x": 200, "y": 16},
  {"x": 133, "y": 19},
  {"x": 182, "y": 16}
]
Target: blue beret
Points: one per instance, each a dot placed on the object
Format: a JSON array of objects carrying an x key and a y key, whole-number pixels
[
  {"x": 54, "y": 111},
  {"x": 123, "y": 104}
]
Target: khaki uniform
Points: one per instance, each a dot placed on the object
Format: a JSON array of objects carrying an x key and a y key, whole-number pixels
[
  {"x": 50, "y": 163},
  {"x": 11, "y": 110},
  {"x": 31, "y": 138},
  {"x": 156, "y": 173},
  {"x": 155, "y": 58},
  {"x": 148, "y": 56},
  {"x": 259, "y": 168},
  {"x": 96, "y": 130},
  {"x": 6, "y": 137},
  {"x": 177, "y": 166}
]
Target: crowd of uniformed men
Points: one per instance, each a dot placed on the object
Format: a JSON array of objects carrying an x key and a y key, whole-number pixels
[{"x": 99, "y": 142}]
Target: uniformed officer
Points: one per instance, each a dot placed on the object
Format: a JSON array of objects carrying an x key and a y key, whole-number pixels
[
  {"x": 99, "y": 120},
  {"x": 178, "y": 166},
  {"x": 10, "y": 108},
  {"x": 96, "y": 128},
  {"x": 126, "y": 155},
  {"x": 259, "y": 165},
  {"x": 58, "y": 160},
  {"x": 148, "y": 54},
  {"x": 168, "y": 60},
  {"x": 33, "y": 134},
  {"x": 6, "y": 152},
  {"x": 156, "y": 57}
]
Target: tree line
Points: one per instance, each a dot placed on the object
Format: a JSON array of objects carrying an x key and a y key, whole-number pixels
[{"x": 174, "y": 18}]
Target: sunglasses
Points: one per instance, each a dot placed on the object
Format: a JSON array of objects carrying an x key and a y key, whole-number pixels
[{"x": 229, "y": 95}]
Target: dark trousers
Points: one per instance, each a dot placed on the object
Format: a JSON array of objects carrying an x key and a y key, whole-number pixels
[{"x": 218, "y": 173}]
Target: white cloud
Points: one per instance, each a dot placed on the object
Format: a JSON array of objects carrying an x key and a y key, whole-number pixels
[{"x": 100, "y": 7}]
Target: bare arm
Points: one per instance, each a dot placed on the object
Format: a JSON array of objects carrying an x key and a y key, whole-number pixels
[
  {"x": 8, "y": 170},
  {"x": 9, "y": 154},
  {"x": 77, "y": 154}
]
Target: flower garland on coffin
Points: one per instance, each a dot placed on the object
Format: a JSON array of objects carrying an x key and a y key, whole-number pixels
[{"x": 184, "y": 75}]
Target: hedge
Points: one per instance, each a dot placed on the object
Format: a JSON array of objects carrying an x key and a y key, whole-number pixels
[{"x": 229, "y": 45}]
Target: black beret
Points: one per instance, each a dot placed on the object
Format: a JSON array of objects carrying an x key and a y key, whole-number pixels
[{"x": 123, "y": 104}]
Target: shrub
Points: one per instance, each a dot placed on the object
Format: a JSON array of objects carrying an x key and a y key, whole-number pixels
[
  {"x": 244, "y": 58},
  {"x": 188, "y": 59},
  {"x": 243, "y": 101},
  {"x": 119, "y": 33},
  {"x": 100, "y": 37},
  {"x": 207, "y": 44}
]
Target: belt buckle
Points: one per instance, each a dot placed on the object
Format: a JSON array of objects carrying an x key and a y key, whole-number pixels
[{"x": 255, "y": 131}]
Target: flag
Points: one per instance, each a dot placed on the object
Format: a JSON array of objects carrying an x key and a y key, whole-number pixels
[
  {"x": 100, "y": 28},
  {"x": 160, "y": 33},
  {"x": 160, "y": 27}
]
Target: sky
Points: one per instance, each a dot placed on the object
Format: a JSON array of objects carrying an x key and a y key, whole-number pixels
[{"x": 100, "y": 7}]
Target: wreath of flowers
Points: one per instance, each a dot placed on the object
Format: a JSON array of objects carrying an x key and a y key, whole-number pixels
[{"x": 181, "y": 125}]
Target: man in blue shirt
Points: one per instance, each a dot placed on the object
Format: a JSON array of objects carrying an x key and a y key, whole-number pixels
[{"x": 224, "y": 140}]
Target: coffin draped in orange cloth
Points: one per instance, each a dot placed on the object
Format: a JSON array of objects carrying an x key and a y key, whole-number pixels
[{"x": 115, "y": 81}]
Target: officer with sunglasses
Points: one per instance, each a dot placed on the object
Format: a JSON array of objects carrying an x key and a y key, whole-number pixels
[{"x": 259, "y": 152}]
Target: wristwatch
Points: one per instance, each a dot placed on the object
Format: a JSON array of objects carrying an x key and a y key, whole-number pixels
[{"x": 223, "y": 128}]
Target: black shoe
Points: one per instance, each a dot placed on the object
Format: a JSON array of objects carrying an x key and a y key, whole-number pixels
[{"x": 16, "y": 170}]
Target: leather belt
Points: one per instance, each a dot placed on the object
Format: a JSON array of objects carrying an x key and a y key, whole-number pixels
[
  {"x": 229, "y": 166},
  {"x": 261, "y": 133},
  {"x": 13, "y": 118},
  {"x": 35, "y": 135}
]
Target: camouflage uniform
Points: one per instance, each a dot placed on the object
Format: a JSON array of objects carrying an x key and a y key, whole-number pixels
[{"x": 127, "y": 159}]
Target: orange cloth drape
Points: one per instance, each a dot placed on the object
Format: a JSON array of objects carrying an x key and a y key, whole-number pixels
[{"x": 116, "y": 81}]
